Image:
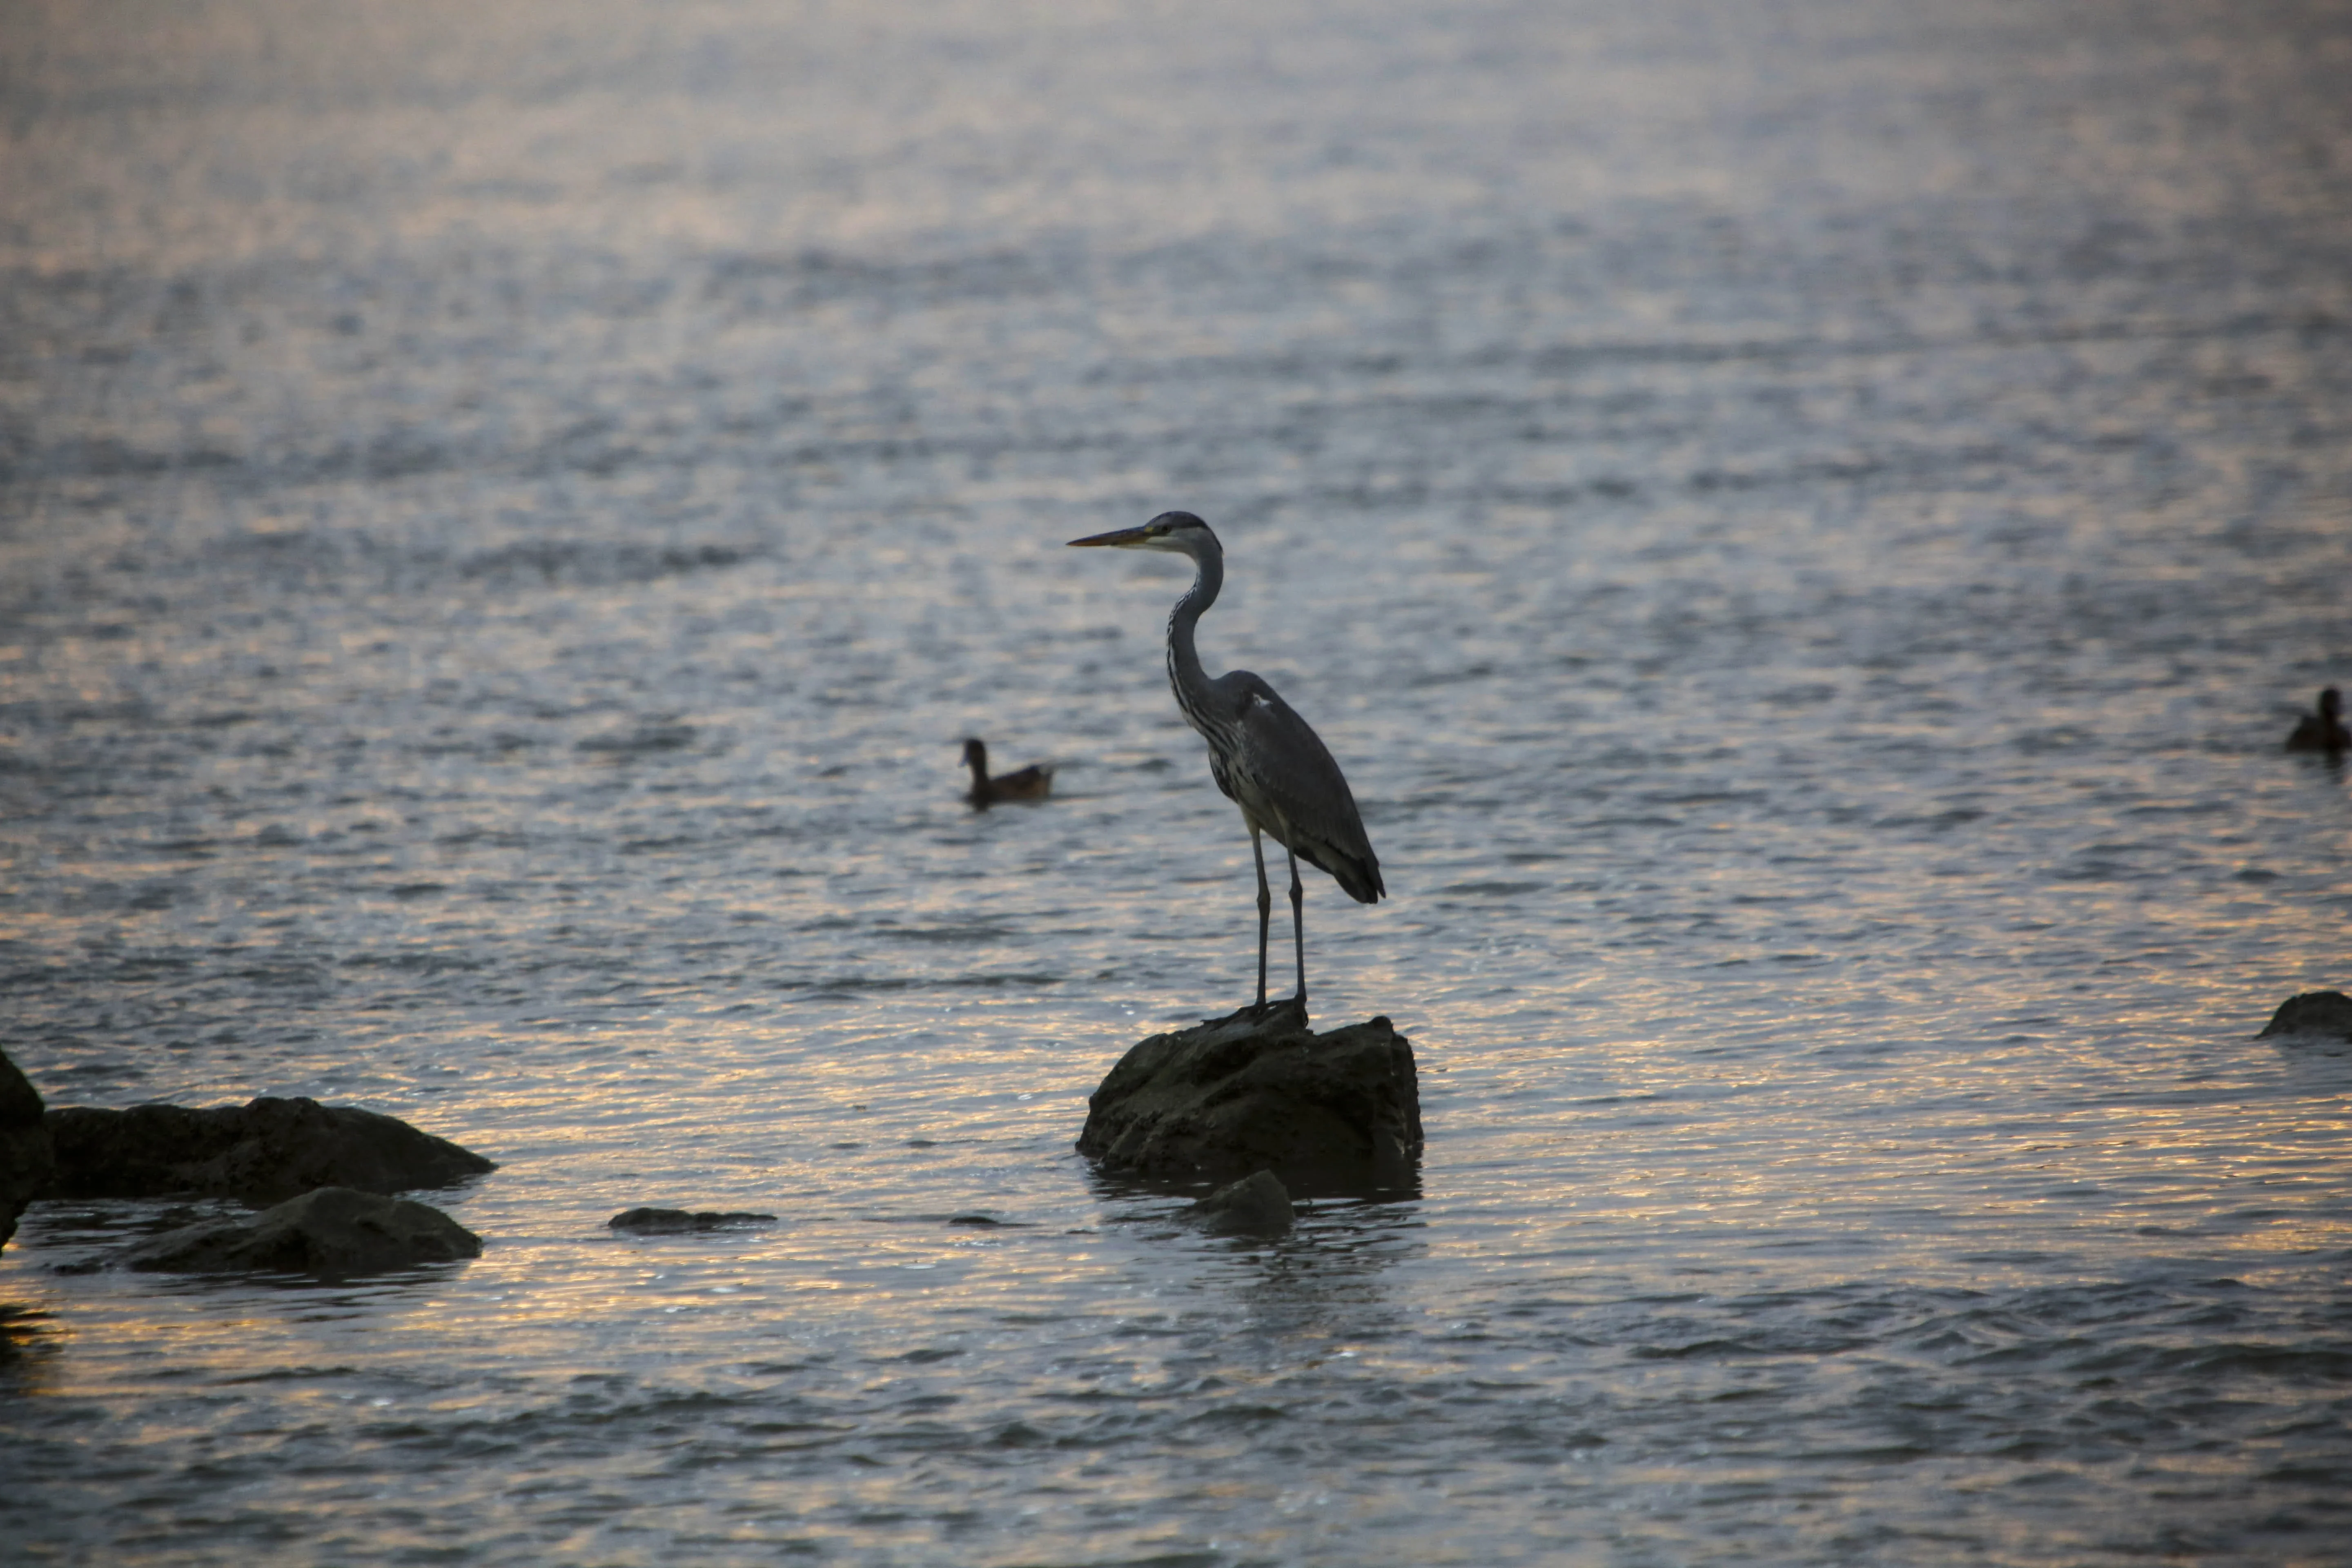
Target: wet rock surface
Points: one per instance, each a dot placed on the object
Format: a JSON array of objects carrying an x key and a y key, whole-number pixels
[
  {"x": 263, "y": 1152},
  {"x": 2313, "y": 1013},
  {"x": 333, "y": 1233},
  {"x": 665, "y": 1221},
  {"x": 1329, "y": 1114},
  {"x": 24, "y": 1146},
  {"x": 1257, "y": 1204}
]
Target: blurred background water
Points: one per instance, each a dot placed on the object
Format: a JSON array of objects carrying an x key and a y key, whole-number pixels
[{"x": 1805, "y": 525}]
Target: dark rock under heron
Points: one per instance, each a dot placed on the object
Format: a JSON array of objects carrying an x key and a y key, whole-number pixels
[{"x": 1329, "y": 1114}]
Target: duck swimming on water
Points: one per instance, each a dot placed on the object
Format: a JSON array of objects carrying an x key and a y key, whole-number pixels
[
  {"x": 2323, "y": 731},
  {"x": 1031, "y": 783}
]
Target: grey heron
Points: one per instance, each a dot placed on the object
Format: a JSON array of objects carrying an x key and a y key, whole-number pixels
[
  {"x": 1260, "y": 752},
  {"x": 1035, "y": 782}
]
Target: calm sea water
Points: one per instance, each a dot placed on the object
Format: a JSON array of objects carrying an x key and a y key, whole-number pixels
[{"x": 1805, "y": 525}]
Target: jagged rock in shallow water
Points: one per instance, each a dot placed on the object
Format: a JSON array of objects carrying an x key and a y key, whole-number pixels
[
  {"x": 334, "y": 1232},
  {"x": 668, "y": 1220},
  {"x": 263, "y": 1152},
  {"x": 24, "y": 1146},
  {"x": 1257, "y": 1204},
  {"x": 2313, "y": 1013},
  {"x": 1329, "y": 1113}
]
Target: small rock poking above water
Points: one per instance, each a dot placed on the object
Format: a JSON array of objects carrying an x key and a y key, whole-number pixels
[
  {"x": 333, "y": 1233},
  {"x": 24, "y": 1146},
  {"x": 1257, "y": 1204},
  {"x": 264, "y": 1152},
  {"x": 2326, "y": 1013},
  {"x": 1329, "y": 1114},
  {"x": 666, "y": 1221}
]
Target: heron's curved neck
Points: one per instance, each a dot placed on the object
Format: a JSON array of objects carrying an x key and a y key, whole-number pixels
[{"x": 1184, "y": 671}]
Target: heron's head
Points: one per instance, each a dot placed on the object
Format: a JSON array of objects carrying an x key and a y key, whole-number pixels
[
  {"x": 2331, "y": 701},
  {"x": 1178, "y": 533}
]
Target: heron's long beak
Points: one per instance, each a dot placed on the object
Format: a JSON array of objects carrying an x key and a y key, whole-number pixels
[{"x": 1117, "y": 536}]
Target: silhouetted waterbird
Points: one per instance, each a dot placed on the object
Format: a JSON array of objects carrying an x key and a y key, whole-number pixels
[
  {"x": 1033, "y": 782},
  {"x": 2323, "y": 731}
]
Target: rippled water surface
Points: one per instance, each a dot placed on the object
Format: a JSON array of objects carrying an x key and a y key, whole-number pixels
[{"x": 1806, "y": 526}]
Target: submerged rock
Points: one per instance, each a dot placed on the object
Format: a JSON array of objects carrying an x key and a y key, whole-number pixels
[
  {"x": 24, "y": 1146},
  {"x": 2313, "y": 1013},
  {"x": 262, "y": 1152},
  {"x": 668, "y": 1220},
  {"x": 334, "y": 1232},
  {"x": 1330, "y": 1114},
  {"x": 1257, "y": 1204}
]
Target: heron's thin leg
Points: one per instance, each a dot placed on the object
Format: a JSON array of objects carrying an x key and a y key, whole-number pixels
[
  {"x": 1298, "y": 924},
  {"x": 1265, "y": 908}
]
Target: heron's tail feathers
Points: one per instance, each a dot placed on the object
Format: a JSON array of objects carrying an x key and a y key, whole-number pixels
[{"x": 1358, "y": 875}]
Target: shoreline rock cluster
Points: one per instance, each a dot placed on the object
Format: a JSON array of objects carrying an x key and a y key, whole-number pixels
[
  {"x": 264, "y": 1152},
  {"x": 333, "y": 1233},
  {"x": 323, "y": 1177}
]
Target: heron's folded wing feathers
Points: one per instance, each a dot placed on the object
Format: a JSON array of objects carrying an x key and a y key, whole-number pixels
[{"x": 1285, "y": 776}]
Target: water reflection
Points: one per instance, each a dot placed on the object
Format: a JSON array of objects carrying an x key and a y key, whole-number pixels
[
  {"x": 1319, "y": 1285},
  {"x": 1400, "y": 1185},
  {"x": 1325, "y": 1279},
  {"x": 29, "y": 1334}
]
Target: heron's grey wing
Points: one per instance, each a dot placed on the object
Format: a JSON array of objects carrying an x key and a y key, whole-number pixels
[{"x": 1284, "y": 776}]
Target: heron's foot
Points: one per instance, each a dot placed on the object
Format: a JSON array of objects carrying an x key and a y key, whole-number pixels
[{"x": 1277, "y": 1007}]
